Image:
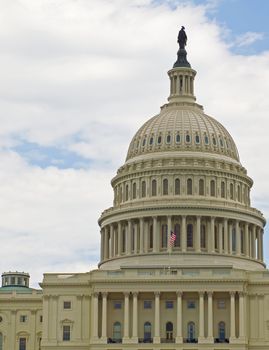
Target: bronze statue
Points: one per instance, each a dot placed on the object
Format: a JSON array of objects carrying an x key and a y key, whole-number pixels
[{"x": 182, "y": 38}]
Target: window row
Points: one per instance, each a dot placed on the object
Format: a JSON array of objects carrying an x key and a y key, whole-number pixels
[{"x": 231, "y": 191}]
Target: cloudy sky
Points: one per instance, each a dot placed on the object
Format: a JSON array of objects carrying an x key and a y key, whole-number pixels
[{"x": 78, "y": 77}]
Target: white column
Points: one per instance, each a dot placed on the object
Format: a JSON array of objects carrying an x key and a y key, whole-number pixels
[
  {"x": 259, "y": 235},
  {"x": 210, "y": 338},
  {"x": 126, "y": 317},
  {"x": 129, "y": 238},
  {"x": 119, "y": 239},
  {"x": 157, "y": 338},
  {"x": 169, "y": 228},
  {"x": 179, "y": 338},
  {"x": 95, "y": 316},
  {"x": 253, "y": 242},
  {"x": 102, "y": 245},
  {"x": 104, "y": 316},
  {"x": 141, "y": 235},
  {"x": 246, "y": 234},
  {"x": 226, "y": 236},
  {"x": 45, "y": 333},
  {"x": 201, "y": 318},
  {"x": 198, "y": 234},
  {"x": 156, "y": 237},
  {"x": 112, "y": 241},
  {"x": 238, "y": 238},
  {"x": 232, "y": 316},
  {"x": 106, "y": 248},
  {"x": 183, "y": 234},
  {"x": 241, "y": 316},
  {"x": 220, "y": 237},
  {"x": 135, "y": 317}
]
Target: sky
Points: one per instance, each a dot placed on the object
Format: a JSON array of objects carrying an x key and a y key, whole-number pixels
[{"x": 79, "y": 77}]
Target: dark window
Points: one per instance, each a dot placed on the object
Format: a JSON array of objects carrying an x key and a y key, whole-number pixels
[
  {"x": 23, "y": 318},
  {"x": 188, "y": 138},
  {"x": 134, "y": 190},
  {"x": 231, "y": 191},
  {"x": 151, "y": 141},
  {"x": 67, "y": 305},
  {"x": 178, "y": 138},
  {"x": 201, "y": 187},
  {"x": 117, "y": 305},
  {"x": 40, "y": 318},
  {"x": 216, "y": 237},
  {"x": 189, "y": 236},
  {"x": 123, "y": 240},
  {"x": 191, "y": 304},
  {"x": 117, "y": 331},
  {"x": 214, "y": 141},
  {"x": 147, "y": 304},
  {"x": 206, "y": 140},
  {"x": 151, "y": 237},
  {"x": 191, "y": 331},
  {"x": 222, "y": 189},
  {"x": 144, "y": 142},
  {"x": 168, "y": 139},
  {"x": 22, "y": 344},
  {"x": 177, "y": 186},
  {"x": 222, "y": 334},
  {"x": 164, "y": 236},
  {"x": 143, "y": 188},
  {"x": 169, "y": 330},
  {"x": 233, "y": 239},
  {"x": 242, "y": 241},
  {"x": 239, "y": 193},
  {"x": 212, "y": 188},
  {"x": 153, "y": 188},
  {"x": 66, "y": 333},
  {"x": 165, "y": 187},
  {"x": 1, "y": 341},
  {"x": 203, "y": 236},
  {"x": 169, "y": 304},
  {"x": 189, "y": 186},
  {"x": 126, "y": 192},
  {"x": 221, "y": 142},
  {"x": 159, "y": 139},
  {"x": 147, "y": 330},
  {"x": 197, "y": 139}
]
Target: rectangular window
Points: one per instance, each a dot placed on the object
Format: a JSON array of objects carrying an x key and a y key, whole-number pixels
[
  {"x": 169, "y": 304},
  {"x": 22, "y": 344},
  {"x": 221, "y": 304},
  {"x": 67, "y": 305},
  {"x": 41, "y": 319},
  {"x": 147, "y": 304},
  {"x": 66, "y": 333},
  {"x": 117, "y": 305},
  {"x": 23, "y": 318},
  {"x": 191, "y": 304}
]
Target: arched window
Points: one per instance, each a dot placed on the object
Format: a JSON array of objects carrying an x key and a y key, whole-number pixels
[
  {"x": 231, "y": 191},
  {"x": 189, "y": 236},
  {"x": 159, "y": 139},
  {"x": 178, "y": 138},
  {"x": 197, "y": 139},
  {"x": 169, "y": 330},
  {"x": 117, "y": 331},
  {"x": 120, "y": 194},
  {"x": 177, "y": 233},
  {"x": 151, "y": 237},
  {"x": 233, "y": 240},
  {"x": 201, "y": 187},
  {"x": 126, "y": 192},
  {"x": 191, "y": 332},
  {"x": 164, "y": 236},
  {"x": 222, "y": 334},
  {"x": 188, "y": 138},
  {"x": 165, "y": 187},
  {"x": 206, "y": 140},
  {"x": 177, "y": 186},
  {"x": 143, "y": 189},
  {"x": 203, "y": 237},
  {"x": 212, "y": 188},
  {"x": 123, "y": 240},
  {"x": 1, "y": 341},
  {"x": 168, "y": 139},
  {"x": 189, "y": 186},
  {"x": 134, "y": 190},
  {"x": 222, "y": 190},
  {"x": 242, "y": 241},
  {"x": 216, "y": 237},
  {"x": 147, "y": 330},
  {"x": 239, "y": 193},
  {"x": 153, "y": 188}
]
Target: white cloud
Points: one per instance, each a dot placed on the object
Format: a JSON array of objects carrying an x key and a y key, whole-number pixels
[
  {"x": 248, "y": 38},
  {"x": 83, "y": 76}
]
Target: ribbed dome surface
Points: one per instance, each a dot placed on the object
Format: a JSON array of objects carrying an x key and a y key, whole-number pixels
[{"x": 181, "y": 128}]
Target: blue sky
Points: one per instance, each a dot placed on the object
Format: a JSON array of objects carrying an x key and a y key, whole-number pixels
[{"x": 78, "y": 78}]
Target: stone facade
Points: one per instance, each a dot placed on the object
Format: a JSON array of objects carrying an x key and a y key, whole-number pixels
[{"x": 181, "y": 260}]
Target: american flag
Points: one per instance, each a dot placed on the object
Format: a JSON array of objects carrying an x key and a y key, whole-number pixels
[{"x": 172, "y": 239}]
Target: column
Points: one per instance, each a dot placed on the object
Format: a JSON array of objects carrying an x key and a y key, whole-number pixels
[
  {"x": 119, "y": 239},
  {"x": 53, "y": 318},
  {"x": 141, "y": 235},
  {"x": 220, "y": 237},
  {"x": 183, "y": 233},
  {"x": 45, "y": 325},
  {"x": 179, "y": 338},
  {"x": 246, "y": 234},
  {"x": 169, "y": 229},
  {"x": 198, "y": 234},
  {"x": 146, "y": 238},
  {"x": 155, "y": 235},
  {"x": 259, "y": 235},
  {"x": 129, "y": 238},
  {"x": 212, "y": 235},
  {"x": 135, "y": 318},
  {"x": 238, "y": 238},
  {"x": 95, "y": 316},
  {"x": 231, "y": 238},
  {"x": 253, "y": 242},
  {"x": 201, "y": 318},
  {"x": 210, "y": 338},
  {"x": 157, "y": 338},
  {"x": 32, "y": 327},
  {"x": 13, "y": 330},
  {"x": 226, "y": 248},
  {"x": 232, "y": 316},
  {"x": 261, "y": 244},
  {"x": 135, "y": 238},
  {"x": 104, "y": 316},
  {"x": 241, "y": 316},
  {"x": 126, "y": 317},
  {"x": 112, "y": 241},
  {"x": 102, "y": 245},
  {"x": 106, "y": 248}
]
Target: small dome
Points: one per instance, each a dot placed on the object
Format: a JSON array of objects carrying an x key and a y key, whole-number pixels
[{"x": 182, "y": 128}]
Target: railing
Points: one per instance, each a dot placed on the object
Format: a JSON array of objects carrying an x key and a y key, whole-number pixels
[
  {"x": 145, "y": 340},
  {"x": 111, "y": 340},
  {"x": 190, "y": 340},
  {"x": 218, "y": 340},
  {"x": 164, "y": 340}
]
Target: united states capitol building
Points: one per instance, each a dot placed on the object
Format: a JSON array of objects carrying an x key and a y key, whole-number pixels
[{"x": 207, "y": 288}]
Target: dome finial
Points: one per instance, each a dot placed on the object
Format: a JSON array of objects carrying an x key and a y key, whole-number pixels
[{"x": 182, "y": 53}]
